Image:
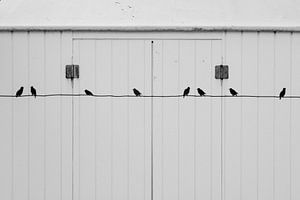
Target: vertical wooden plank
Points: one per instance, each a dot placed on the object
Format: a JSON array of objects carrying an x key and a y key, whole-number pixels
[
  {"x": 203, "y": 116},
  {"x": 21, "y": 113},
  {"x": 216, "y": 123},
  {"x": 186, "y": 123},
  {"x": 136, "y": 122},
  {"x": 232, "y": 119},
  {"x": 148, "y": 120},
  {"x": 53, "y": 116},
  {"x": 158, "y": 119},
  {"x": 282, "y": 117},
  {"x": 36, "y": 116},
  {"x": 295, "y": 115},
  {"x": 120, "y": 123},
  {"x": 87, "y": 121},
  {"x": 75, "y": 126},
  {"x": 6, "y": 116},
  {"x": 265, "y": 115},
  {"x": 104, "y": 120},
  {"x": 249, "y": 117},
  {"x": 171, "y": 120},
  {"x": 66, "y": 117}
]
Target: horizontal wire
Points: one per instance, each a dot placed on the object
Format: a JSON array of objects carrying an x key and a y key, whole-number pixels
[{"x": 149, "y": 96}]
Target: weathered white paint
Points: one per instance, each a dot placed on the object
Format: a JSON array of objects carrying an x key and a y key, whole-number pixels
[
  {"x": 147, "y": 12},
  {"x": 235, "y": 148},
  {"x": 112, "y": 136},
  {"x": 36, "y": 139}
]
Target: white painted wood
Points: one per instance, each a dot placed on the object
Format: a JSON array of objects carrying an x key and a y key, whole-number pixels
[
  {"x": 32, "y": 144},
  {"x": 249, "y": 117},
  {"x": 203, "y": 115},
  {"x": 232, "y": 119},
  {"x": 104, "y": 117},
  {"x": 187, "y": 151},
  {"x": 100, "y": 148},
  {"x": 120, "y": 111},
  {"x": 75, "y": 127},
  {"x": 158, "y": 120},
  {"x": 282, "y": 129},
  {"x": 20, "y": 120},
  {"x": 139, "y": 119},
  {"x": 112, "y": 145},
  {"x": 66, "y": 118},
  {"x": 6, "y": 116},
  {"x": 36, "y": 119},
  {"x": 265, "y": 116},
  {"x": 53, "y": 117},
  {"x": 87, "y": 122},
  {"x": 216, "y": 124},
  {"x": 187, "y": 132}
]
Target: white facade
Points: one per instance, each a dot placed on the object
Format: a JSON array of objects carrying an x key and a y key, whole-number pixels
[
  {"x": 149, "y": 12},
  {"x": 118, "y": 148}
]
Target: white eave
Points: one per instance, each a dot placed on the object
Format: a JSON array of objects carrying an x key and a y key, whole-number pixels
[{"x": 153, "y": 28}]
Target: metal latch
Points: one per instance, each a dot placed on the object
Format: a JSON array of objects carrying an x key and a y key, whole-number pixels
[
  {"x": 221, "y": 72},
  {"x": 72, "y": 71}
]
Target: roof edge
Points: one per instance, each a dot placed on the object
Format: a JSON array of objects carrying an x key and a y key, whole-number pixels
[{"x": 153, "y": 28}]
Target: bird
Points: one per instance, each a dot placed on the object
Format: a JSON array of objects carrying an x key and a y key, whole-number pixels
[
  {"x": 19, "y": 92},
  {"x": 136, "y": 92},
  {"x": 33, "y": 91},
  {"x": 89, "y": 93},
  {"x": 282, "y": 93},
  {"x": 233, "y": 92},
  {"x": 186, "y": 92},
  {"x": 201, "y": 92}
]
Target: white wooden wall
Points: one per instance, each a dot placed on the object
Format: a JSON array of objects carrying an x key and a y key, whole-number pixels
[
  {"x": 261, "y": 136},
  {"x": 203, "y": 148},
  {"x": 36, "y": 134}
]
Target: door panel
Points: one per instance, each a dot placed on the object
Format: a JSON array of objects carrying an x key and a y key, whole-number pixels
[
  {"x": 186, "y": 131},
  {"x": 112, "y": 134}
]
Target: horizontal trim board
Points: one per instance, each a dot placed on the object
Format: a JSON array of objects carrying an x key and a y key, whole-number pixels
[
  {"x": 175, "y": 39},
  {"x": 153, "y": 28}
]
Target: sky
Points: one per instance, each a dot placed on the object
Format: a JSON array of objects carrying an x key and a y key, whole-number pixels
[{"x": 150, "y": 12}]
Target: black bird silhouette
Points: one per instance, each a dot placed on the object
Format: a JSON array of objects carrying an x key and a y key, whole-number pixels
[
  {"x": 136, "y": 92},
  {"x": 33, "y": 91},
  {"x": 282, "y": 93},
  {"x": 186, "y": 92},
  {"x": 19, "y": 92},
  {"x": 201, "y": 92},
  {"x": 233, "y": 92},
  {"x": 89, "y": 93}
]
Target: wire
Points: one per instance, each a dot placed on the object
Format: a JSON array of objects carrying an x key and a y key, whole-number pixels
[{"x": 149, "y": 96}]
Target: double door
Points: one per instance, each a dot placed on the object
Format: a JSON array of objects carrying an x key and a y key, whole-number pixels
[{"x": 157, "y": 146}]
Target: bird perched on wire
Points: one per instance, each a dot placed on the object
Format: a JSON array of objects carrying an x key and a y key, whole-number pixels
[
  {"x": 33, "y": 91},
  {"x": 233, "y": 92},
  {"x": 19, "y": 92},
  {"x": 186, "y": 92},
  {"x": 136, "y": 92},
  {"x": 201, "y": 92},
  {"x": 282, "y": 93},
  {"x": 88, "y": 93}
]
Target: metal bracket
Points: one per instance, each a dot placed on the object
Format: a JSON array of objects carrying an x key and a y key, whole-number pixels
[
  {"x": 72, "y": 71},
  {"x": 221, "y": 72}
]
